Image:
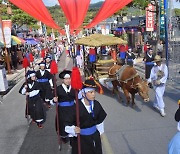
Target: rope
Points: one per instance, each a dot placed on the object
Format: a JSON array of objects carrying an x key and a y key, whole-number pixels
[{"x": 125, "y": 81}]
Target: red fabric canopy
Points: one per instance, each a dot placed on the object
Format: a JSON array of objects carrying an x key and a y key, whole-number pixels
[
  {"x": 37, "y": 9},
  {"x": 108, "y": 8},
  {"x": 75, "y": 11}
]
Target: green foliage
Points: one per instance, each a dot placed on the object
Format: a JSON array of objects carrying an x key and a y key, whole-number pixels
[
  {"x": 124, "y": 36},
  {"x": 141, "y": 4},
  {"x": 57, "y": 15},
  {"x": 18, "y": 17}
]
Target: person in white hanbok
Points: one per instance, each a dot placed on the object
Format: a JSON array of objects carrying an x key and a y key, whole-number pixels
[{"x": 158, "y": 78}]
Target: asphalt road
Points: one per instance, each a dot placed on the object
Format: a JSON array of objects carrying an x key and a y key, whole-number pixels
[{"x": 129, "y": 131}]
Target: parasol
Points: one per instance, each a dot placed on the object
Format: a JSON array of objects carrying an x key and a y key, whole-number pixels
[
  {"x": 96, "y": 40},
  {"x": 17, "y": 40},
  {"x": 31, "y": 41}
]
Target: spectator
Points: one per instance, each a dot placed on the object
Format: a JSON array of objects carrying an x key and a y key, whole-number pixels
[
  {"x": 139, "y": 50},
  {"x": 148, "y": 59},
  {"x": 14, "y": 58},
  {"x": 160, "y": 48},
  {"x": 130, "y": 57}
]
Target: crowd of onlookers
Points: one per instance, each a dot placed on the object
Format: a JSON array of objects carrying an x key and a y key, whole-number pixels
[{"x": 17, "y": 52}]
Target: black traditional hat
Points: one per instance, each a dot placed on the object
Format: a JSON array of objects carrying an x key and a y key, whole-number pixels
[
  {"x": 42, "y": 63},
  {"x": 89, "y": 83},
  {"x": 177, "y": 114},
  {"x": 48, "y": 57},
  {"x": 30, "y": 73},
  {"x": 63, "y": 74}
]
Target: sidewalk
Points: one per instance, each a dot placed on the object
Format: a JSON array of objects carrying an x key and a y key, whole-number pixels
[{"x": 16, "y": 76}]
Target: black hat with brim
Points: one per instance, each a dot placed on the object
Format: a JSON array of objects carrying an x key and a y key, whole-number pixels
[
  {"x": 63, "y": 73},
  {"x": 42, "y": 63},
  {"x": 89, "y": 84}
]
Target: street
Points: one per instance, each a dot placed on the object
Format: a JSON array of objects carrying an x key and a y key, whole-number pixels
[{"x": 129, "y": 131}]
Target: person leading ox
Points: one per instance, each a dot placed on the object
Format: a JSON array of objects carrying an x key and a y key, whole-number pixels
[{"x": 158, "y": 78}]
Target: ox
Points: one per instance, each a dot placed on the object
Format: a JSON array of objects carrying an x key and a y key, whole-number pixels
[{"x": 128, "y": 79}]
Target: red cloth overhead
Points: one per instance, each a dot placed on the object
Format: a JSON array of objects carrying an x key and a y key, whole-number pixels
[
  {"x": 37, "y": 9},
  {"x": 108, "y": 8},
  {"x": 75, "y": 11}
]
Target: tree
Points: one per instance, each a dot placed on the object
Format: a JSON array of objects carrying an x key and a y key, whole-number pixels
[
  {"x": 18, "y": 17},
  {"x": 141, "y": 4}
]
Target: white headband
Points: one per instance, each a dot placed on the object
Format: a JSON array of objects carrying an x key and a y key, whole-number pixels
[
  {"x": 67, "y": 76},
  {"x": 42, "y": 65},
  {"x": 85, "y": 90},
  {"x": 30, "y": 75}
]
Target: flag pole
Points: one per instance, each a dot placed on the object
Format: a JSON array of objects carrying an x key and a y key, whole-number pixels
[
  {"x": 54, "y": 71},
  {"x": 76, "y": 84}
]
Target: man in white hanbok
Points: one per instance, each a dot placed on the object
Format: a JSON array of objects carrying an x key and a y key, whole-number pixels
[{"x": 158, "y": 78}]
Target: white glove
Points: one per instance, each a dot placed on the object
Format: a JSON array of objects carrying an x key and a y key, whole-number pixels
[{"x": 52, "y": 103}]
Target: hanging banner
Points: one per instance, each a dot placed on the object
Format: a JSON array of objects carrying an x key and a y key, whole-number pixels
[
  {"x": 150, "y": 18},
  {"x": 1, "y": 36},
  {"x": 107, "y": 29},
  {"x": 162, "y": 20},
  {"x": 67, "y": 33},
  {"x": 7, "y": 32},
  {"x": 40, "y": 30},
  {"x": 6, "y": 26}
]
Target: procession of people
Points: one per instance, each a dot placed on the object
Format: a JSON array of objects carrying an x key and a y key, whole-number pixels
[{"x": 39, "y": 89}]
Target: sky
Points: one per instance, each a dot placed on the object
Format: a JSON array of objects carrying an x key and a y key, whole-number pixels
[
  {"x": 176, "y": 4},
  {"x": 54, "y": 2}
]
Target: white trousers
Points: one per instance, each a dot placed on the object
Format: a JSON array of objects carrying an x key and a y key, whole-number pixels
[
  {"x": 159, "y": 96},
  {"x": 79, "y": 61}
]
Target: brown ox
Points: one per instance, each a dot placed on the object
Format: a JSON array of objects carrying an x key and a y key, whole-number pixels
[{"x": 130, "y": 82}]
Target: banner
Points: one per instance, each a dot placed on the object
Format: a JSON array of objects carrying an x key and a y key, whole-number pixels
[
  {"x": 162, "y": 20},
  {"x": 40, "y": 30},
  {"x": 3, "y": 79},
  {"x": 1, "y": 36},
  {"x": 150, "y": 18},
  {"x": 6, "y": 26},
  {"x": 67, "y": 33},
  {"x": 103, "y": 30}
]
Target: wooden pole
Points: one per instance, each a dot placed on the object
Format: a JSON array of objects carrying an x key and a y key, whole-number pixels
[
  {"x": 77, "y": 121},
  {"x": 57, "y": 114}
]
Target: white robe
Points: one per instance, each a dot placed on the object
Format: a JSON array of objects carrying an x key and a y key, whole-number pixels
[{"x": 159, "y": 90}]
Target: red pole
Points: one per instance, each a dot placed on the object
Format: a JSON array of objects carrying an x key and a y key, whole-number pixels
[{"x": 77, "y": 121}]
